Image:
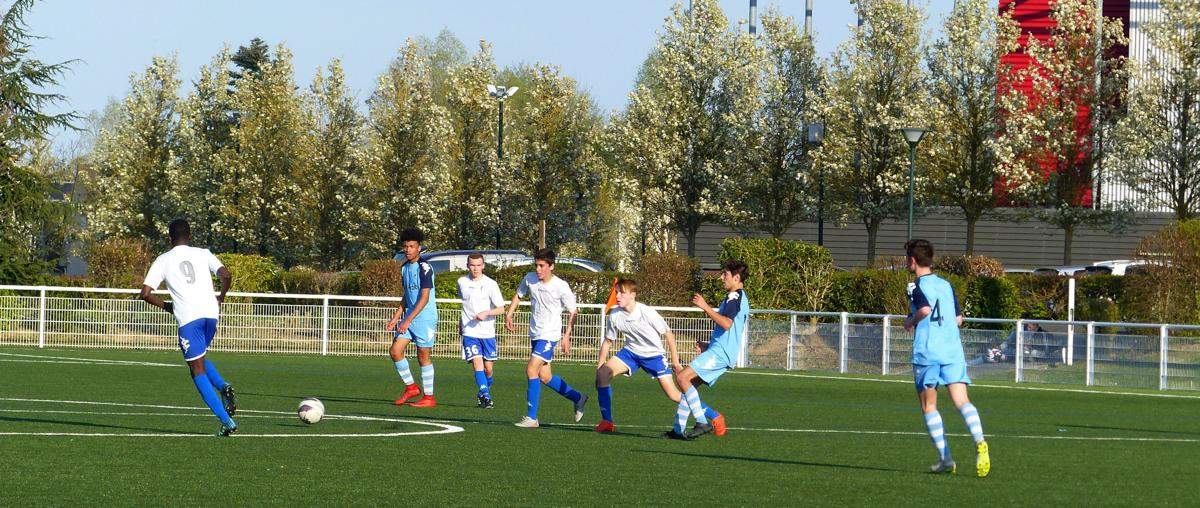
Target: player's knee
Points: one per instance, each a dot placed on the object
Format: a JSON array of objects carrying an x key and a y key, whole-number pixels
[
  {"x": 423, "y": 356},
  {"x": 197, "y": 367},
  {"x": 603, "y": 375},
  {"x": 396, "y": 353}
]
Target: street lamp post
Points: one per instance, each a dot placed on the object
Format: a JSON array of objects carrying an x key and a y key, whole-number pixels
[
  {"x": 500, "y": 93},
  {"x": 816, "y": 136},
  {"x": 913, "y": 135}
]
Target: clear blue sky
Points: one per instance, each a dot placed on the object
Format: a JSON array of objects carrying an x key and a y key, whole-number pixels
[{"x": 600, "y": 44}]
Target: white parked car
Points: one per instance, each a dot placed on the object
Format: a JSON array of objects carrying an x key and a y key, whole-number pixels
[
  {"x": 456, "y": 260},
  {"x": 1120, "y": 266}
]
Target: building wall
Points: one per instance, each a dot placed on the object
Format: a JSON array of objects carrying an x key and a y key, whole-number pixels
[{"x": 1025, "y": 244}]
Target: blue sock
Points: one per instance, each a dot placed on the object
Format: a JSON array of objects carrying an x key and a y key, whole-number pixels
[
  {"x": 533, "y": 396},
  {"x": 481, "y": 382},
  {"x": 210, "y": 370},
  {"x": 709, "y": 412},
  {"x": 205, "y": 387},
  {"x": 557, "y": 384},
  {"x": 427, "y": 379},
  {"x": 489, "y": 378},
  {"x": 693, "y": 401},
  {"x": 604, "y": 394},
  {"x": 403, "y": 370},
  {"x": 933, "y": 422}
]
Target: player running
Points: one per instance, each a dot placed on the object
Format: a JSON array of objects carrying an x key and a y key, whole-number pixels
[
  {"x": 419, "y": 323},
  {"x": 643, "y": 329},
  {"x": 186, "y": 271},
  {"x": 937, "y": 356},
  {"x": 481, "y": 303},
  {"x": 548, "y": 296},
  {"x": 721, "y": 353}
]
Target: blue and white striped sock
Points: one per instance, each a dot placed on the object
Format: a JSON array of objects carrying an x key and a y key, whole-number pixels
[
  {"x": 681, "y": 415},
  {"x": 427, "y": 379},
  {"x": 693, "y": 400},
  {"x": 933, "y": 422},
  {"x": 403, "y": 370},
  {"x": 971, "y": 416}
]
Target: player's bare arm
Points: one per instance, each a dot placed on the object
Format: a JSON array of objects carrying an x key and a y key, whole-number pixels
[
  {"x": 712, "y": 313},
  {"x": 508, "y": 315},
  {"x": 566, "y": 337},
  {"x": 147, "y": 295},
  {"x": 605, "y": 344},
  {"x": 911, "y": 321},
  {"x": 226, "y": 277},
  {"x": 489, "y": 313},
  {"x": 670, "y": 338},
  {"x": 424, "y": 299}
]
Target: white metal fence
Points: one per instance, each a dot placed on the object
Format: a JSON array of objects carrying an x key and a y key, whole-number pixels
[{"x": 1059, "y": 352}]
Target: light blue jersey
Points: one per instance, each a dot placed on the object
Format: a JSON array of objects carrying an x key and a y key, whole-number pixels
[
  {"x": 418, "y": 276},
  {"x": 728, "y": 343},
  {"x": 936, "y": 340}
]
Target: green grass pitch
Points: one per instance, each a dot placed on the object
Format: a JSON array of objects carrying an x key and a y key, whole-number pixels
[{"x": 795, "y": 438}]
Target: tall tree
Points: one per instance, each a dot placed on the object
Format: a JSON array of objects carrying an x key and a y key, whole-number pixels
[
  {"x": 407, "y": 156},
  {"x": 263, "y": 175},
  {"x": 1159, "y": 141},
  {"x": 472, "y": 153},
  {"x": 1047, "y": 149},
  {"x": 205, "y": 151},
  {"x": 963, "y": 77},
  {"x": 688, "y": 115},
  {"x": 875, "y": 88},
  {"x": 781, "y": 187},
  {"x": 25, "y": 192},
  {"x": 336, "y": 202},
  {"x": 136, "y": 164}
]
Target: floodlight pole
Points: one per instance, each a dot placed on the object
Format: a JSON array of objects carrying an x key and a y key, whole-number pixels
[
  {"x": 913, "y": 136},
  {"x": 500, "y": 93}
]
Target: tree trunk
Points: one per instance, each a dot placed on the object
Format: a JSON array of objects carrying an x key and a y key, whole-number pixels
[
  {"x": 971, "y": 222},
  {"x": 1068, "y": 240},
  {"x": 690, "y": 235},
  {"x": 872, "y": 231}
]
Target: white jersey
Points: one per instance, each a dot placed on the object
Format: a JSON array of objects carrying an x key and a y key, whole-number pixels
[
  {"x": 548, "y": 299},
  {"x": 643, "y": 329},
  {"x": 479, "y": 295},
  {"x": 186, "y": 270}
]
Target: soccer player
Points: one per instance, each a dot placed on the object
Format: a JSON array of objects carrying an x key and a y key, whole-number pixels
[
  {"x": 937, "y": 356},
  {"x": 415, "y": 321},
  {"x": 719, "y": 354},
  {"x": 643, "y": 330},
  {"x": 548, "y": 296},
  {"x": 186, "y": 271},
  {"x": 481, "y": 303}
]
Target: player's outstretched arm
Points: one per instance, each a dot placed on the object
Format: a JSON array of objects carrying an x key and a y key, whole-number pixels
[{"x": 722, "y": 321}]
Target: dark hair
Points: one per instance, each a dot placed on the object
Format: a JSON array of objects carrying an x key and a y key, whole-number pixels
[
  {"x": 627, "y": 285},
  {"x": 475, "y": 255},
  {"x": 921, "y": 251},
  {"x": 179, "y": 230},
  {"x": 546, "y": 255},
  {"x": 412, "y": 235},
  {"x": 736, "y": 267}
]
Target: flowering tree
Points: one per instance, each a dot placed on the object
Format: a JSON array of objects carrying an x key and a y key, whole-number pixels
[
  {"x": 780, "y": 188},
  {"x": 407, "y": 159},
  {"x": 875, "y": 88},
  {"x": 472, "y": 152},
  {"x": 688, "y": 117},
  {"x": 1048, "y": 149},
  {"x": 963, "y": 76},
  {"x": 136, "y": 164},
  {"x": 205, "y": 148},
  {"x": 1159, "y": 140}
]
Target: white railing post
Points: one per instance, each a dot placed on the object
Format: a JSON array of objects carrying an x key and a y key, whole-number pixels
[
  {"x": 1091, "y": 354},
  {"x": 325, "y": 325},
  {"x": 887, "y": 344},
  {"x": 1019, "y": 350},
  {"x": 42, "y": 318},
  {"x": 843, "y": 339},
  {"x": 1069, "y": 354},
  {"x": 1162, "y": 357},
  {"x": 791, "y": 352}
]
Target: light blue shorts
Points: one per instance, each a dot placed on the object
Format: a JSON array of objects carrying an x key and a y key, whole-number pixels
[
  {"x": 709, "y": 366},
  {"x": 933, "y": 376},
  {"x": 422, "y": 334}
]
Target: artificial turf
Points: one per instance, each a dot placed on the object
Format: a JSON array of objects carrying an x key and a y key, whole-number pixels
[{"x": 795, "y": 439}]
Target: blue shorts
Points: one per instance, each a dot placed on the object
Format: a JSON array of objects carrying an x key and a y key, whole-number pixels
[
  {"x": 195, "y": 337},
  {"x": 709, "y": 366},
  {"x": 472, "y": 348},
  {"x": 656, "y": 366},
  {"x": 543, "y": 349},
  {"x": 423, "y": 334},
  {"x": 933, "y": 376}
]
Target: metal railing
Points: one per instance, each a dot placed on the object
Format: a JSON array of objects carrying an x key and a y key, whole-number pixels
[{"x": 1142, "y": 355}]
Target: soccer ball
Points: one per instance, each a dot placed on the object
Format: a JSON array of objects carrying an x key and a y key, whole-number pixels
[{"x": 311, "y": 410}]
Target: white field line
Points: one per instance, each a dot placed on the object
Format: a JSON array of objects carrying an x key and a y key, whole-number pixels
[
  {"x": 93, "y": 360},
  {"x": 974, "y": 385}
]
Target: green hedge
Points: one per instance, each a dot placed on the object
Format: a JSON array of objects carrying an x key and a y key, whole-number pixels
[
  {"x": 119, "y": 262},
  {"x": 783, "y": 274},
  {"x": 252, "y": 274}
]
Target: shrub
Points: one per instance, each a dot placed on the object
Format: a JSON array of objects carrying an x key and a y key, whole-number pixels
[
  {"x": 990, "y": 297},
  {"x": 1170, "y": 289},
  {"x": 969, "y": 266},
  {"x": 119, "y": 262},
  {"x": 251, "y": 273},
  {"x": 783, "y": 274},
  {"x": 667, "y": 279},
  {"x": 382, "y": 278},
  {"x": 870, "y": 292},
  {"x": 20, "y": 272},
  {"x": 1040, "y": 296},
  {"x": 299, "y": 280}
]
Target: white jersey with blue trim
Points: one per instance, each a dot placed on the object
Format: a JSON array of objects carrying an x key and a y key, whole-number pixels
[
  {"x": 642, "y": 328},
  {"x": 478, "y": 296},
  {"x": 547, "y": 301},
  {"x": 186, "y": 271},
  {"x": 936, "y": 339}
]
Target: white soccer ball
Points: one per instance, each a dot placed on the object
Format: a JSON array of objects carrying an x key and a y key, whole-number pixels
[{"x": 311, "y": 410}]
